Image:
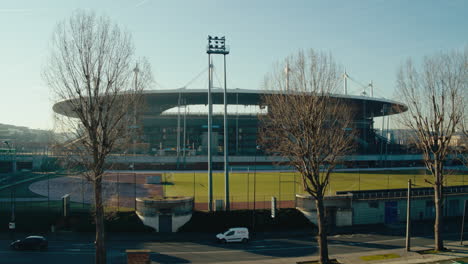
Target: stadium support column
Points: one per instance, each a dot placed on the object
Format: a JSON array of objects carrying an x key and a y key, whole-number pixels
[
  {"x": 178, "y": 132},
  {"x": 384, "y": 108},
  {"x": 345, "y": 82},
  {"x": 387, "y": 141},
  {"x": 237, "y": 123}
]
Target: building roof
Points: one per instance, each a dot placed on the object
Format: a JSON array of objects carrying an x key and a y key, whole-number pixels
[{"x": 157, "y": 101}]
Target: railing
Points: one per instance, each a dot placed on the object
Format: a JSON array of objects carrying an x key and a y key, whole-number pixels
[{"x": 402, "y": 193}]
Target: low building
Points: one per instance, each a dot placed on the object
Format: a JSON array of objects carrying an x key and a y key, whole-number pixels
[{"x": 382, "y": 206}]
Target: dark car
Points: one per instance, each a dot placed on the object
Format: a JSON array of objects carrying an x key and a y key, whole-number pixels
[{"x": 30, "y": 243}]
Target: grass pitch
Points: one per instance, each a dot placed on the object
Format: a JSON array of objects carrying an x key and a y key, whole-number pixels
[{"x": 284, "y": 185}]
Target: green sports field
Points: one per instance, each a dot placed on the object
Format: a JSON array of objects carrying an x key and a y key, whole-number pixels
[{"x": 284, "y": 185}]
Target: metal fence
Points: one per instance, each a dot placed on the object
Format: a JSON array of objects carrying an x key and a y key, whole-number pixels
[{"x": 250, "y": 189}]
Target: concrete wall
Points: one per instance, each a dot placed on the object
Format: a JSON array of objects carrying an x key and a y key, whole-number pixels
[
  {"x": 179, "y": 220},
  {"x": 179, "y": 208},
  {"x": 344, "y": 217},
  {"x": 366, "y": 212},
  {"x": 153, "y": 221},
  {"x": 339, "y": 205}
]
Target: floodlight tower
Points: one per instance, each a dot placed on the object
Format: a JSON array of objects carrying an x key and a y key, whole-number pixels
[{"x": 217, "y": 45}]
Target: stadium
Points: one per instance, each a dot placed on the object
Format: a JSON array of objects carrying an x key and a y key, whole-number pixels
[
  {"x": 173, "y": 136},
  {"x": 170, "y": 162}
]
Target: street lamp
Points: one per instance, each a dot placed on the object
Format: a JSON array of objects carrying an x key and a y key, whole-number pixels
[
  {"x": 12, "y": 192},
  {"x": 135, "y": 70},
  {"x": 217, "y": 45}
]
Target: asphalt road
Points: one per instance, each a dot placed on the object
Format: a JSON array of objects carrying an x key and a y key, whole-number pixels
[{"x": 205, "y": 250}]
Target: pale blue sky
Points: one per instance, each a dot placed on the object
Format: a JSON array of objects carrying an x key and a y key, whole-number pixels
[{"x": 370, "y": 38}]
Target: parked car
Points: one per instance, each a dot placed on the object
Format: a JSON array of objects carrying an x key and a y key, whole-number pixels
[
  {"x": 30, "y": 243},
  {"x": 235, "y": 234}
]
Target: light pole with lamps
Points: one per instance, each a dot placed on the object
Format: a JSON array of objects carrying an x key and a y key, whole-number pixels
[
  {"x": 12, "y": 225},
  {"x": 135, "y": 70},
  {"x": 217, "y": 45}
]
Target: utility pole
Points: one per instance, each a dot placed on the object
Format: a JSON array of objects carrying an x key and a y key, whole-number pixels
[
  {"x": 463, "y": 223},
  {"x": 408, "y": 217}
]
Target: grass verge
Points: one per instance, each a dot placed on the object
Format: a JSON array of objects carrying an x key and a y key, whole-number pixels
[{"x": 379, "y": 257}]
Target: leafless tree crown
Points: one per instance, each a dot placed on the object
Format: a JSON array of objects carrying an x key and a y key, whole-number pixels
[
  {"x": 435, "y": 96},
  {"x": 305, "y": 123},
  {"x": 92, "y": 67}
]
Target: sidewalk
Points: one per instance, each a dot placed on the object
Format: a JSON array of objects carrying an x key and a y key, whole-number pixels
[{"x": 400, "y": 256}]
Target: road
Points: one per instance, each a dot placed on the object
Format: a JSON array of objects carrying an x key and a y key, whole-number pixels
[{"x": 206, "y": 250}]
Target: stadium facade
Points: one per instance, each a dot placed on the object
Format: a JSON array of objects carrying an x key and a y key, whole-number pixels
[{"x": 172, "y": 137}]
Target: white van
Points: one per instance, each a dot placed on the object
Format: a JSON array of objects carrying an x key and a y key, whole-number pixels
[{"x": 235, "y": 234}]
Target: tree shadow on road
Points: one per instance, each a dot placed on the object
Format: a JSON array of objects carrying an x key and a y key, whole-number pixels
[
  {"x": 270, "y": 248},
  {"x": 162, "y": 258}
]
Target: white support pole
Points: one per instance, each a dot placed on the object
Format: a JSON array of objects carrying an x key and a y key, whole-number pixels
[
  {"x": 226, "y": 142},
  {"x": 210, "y": 110},
  {"x": 345, "y": 79},
  {"x": 185, "y": 128},
  {"x": 178, "y": 126}
]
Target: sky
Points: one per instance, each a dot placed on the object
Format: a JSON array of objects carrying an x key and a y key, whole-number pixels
[{"x": 370, "y": 38}]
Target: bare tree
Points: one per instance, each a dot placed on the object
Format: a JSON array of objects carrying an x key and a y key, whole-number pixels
[
  {"x": 91, "y": 70},
  {"x": 433, "y": 95},
  {"x": 307, "y": 125}
]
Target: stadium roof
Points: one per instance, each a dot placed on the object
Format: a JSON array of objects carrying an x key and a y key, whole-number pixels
[{"x": 157, "y": 101}]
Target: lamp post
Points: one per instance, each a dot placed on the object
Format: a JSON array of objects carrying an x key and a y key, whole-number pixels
[
  {"x": 10, "y": 154},
  {"x": 12, "y": 193},
  {"x": 408, "y": 218},
  {"x": 135, "y": 70},
  {"x": 217, "y": 45}
]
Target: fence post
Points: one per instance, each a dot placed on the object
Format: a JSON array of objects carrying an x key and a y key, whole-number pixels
[{"x": 118, "y": 192}]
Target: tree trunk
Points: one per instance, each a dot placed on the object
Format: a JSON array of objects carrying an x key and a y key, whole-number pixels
[
  {"x": 439, "y": 242},
  {"x": 322, "y": 231},
  {"x": 99, "y": 218}
]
